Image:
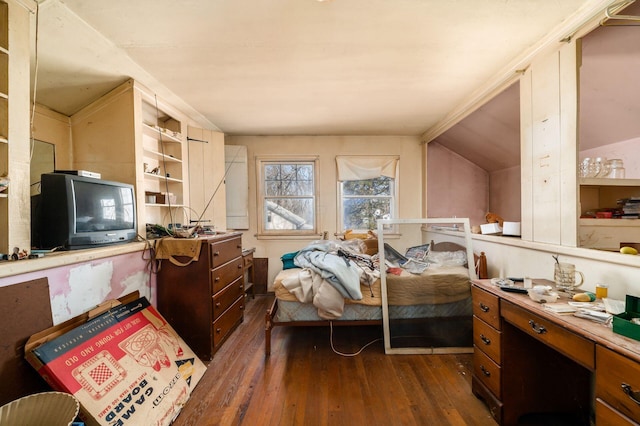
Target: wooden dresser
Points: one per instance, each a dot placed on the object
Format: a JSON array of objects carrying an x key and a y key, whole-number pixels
[
  {"x": 535, "y": 366},
  {"x": 204, "y": 301}
]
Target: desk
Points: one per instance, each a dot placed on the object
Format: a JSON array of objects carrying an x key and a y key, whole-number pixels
[{"x": 530, "y": 363}]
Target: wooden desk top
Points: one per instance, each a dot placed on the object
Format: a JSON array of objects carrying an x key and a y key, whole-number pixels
[{"x": 599, "y": 333}]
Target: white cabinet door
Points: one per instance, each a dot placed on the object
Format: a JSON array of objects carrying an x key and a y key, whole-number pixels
[{"x": 237, "y": 184}]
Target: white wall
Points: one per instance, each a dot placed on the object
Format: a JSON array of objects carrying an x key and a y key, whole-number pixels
[{"x": 327, "y": 147}]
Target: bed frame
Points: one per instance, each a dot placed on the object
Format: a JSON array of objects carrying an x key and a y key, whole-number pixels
[{"x": 480, "y": 262}]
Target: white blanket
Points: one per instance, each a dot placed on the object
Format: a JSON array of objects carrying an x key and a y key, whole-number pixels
[{"x": 309, "y": 287}]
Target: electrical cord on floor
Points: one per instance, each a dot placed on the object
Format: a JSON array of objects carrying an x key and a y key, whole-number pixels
[{"x": 351, "y": 354}]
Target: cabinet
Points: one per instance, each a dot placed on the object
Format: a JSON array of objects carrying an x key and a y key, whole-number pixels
[
  {"x": 606, "y": 234},
  {"x": 207, "y": 181},
  {"x": 129, "y": 135},
  {"x": 204, "y": 301}
]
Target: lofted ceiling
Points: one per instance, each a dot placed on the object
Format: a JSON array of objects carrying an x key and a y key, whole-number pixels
[{"x": 295, "y": 67}]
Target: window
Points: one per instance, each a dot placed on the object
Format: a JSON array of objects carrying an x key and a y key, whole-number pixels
[
  {"x": 288, "y": 200},
  {"x": 367, "y": 191}
]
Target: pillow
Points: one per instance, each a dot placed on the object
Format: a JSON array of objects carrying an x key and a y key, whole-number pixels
[
  {"x": 447, "y": 258},
  {"x": 287, "y": 260}
]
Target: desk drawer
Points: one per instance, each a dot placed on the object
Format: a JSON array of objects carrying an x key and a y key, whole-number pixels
[
  {"x": 487, "y": 339},
  {"x": 608, "y": 416},
  {"x": 486, "y": 306},
  {"x": 225, "y": 274},
  {"x": 487, "y": 371},
  {"x": 226, "y": 323},
  {"x": 225, "y": 298},
  {"x": 576, "y": 347},
  {"x": 618, "y": 382},
  {"x": 224, "y": 251}
]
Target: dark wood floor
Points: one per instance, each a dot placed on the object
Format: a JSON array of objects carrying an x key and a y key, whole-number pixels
[{"x": 304, "y": 382}]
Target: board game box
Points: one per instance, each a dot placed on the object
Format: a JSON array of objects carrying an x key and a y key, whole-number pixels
[{"x": 126, "y": 366}]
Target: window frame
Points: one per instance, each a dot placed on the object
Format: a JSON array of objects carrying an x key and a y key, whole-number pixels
[
  {"x": 391, "y": 229},
  {"x": 263, "y": 161}
]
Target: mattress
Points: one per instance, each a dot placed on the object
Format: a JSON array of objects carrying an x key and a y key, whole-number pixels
[{"x": 438, "y": 292}]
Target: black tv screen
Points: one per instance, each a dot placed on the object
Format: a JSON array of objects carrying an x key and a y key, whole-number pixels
[{"x": 102, "y": 207}]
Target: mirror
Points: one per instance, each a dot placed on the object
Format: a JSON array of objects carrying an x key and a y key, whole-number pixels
[
  {"x": 425, "y": 286},
  {"x": 42, "y": 161}
]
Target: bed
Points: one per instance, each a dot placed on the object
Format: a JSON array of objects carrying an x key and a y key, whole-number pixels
[{"x": 412, "y": 300}]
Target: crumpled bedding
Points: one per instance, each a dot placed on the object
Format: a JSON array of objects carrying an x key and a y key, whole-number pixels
[{"x": 327, "y": 276}]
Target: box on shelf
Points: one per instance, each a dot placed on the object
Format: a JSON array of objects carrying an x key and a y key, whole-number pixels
[
  {"x": 622, "y": 323},
  {"x": 122, "y": 361},
  {"x": 151, "y": 197},
  {"x": 166, "y": 198},
  {"x": 490, "y": 228}
]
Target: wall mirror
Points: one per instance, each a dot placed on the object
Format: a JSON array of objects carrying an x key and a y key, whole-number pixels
[
  {"x": 42, "y": 161},
  {"x": 426, "y": 290}
]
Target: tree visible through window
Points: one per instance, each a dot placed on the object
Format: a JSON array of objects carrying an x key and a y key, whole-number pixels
[
  {"x": 289, "y": 196},
  {"x": 366, "y": 201}
]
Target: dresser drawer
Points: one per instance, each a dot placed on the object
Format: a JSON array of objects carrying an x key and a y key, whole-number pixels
[
  {"x": 487, "y": 339},
  {"x": 575, "y": 347},
  {"x": 487, "y": 371},
  {"x": 225, "y": 324},
  {"x": 223, "y": 251},
  {"x": 608, "y": 416},
  {"x": 618, "y": 382},
  {"x": 225, "y": 298},
  {"x": 486, "y": 306},
  {"x": 225, "y": 274}
]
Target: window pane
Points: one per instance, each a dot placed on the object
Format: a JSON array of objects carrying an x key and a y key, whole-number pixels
[
  {"x": 289, "y": 213},
  {"x": 362, "y": 213},
  {"x": 378, "y": 186},
  {"x": 271, "y": 172}
]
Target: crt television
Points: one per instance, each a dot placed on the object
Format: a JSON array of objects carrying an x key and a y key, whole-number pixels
[{"x": 74, "y": 212}]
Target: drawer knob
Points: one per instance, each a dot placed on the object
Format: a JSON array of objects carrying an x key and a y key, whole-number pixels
[
  {"x": 537, "y": 328},
  {"x": 634, "y": 396},
  {"x": 240, "y": 266},
  {"x": 216, "y": 253},
  {"x": 216, "y": 279},
  {"x": 483, "y": 307},
  {"x": 486, "y": 372},
  {"x": 218, "y": 330},
  {"x": 218, "y": 305},
  {"x": 485, "y": 339}
]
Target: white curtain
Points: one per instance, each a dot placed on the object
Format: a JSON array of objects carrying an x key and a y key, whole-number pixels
[{"x": 361, "y": 167}]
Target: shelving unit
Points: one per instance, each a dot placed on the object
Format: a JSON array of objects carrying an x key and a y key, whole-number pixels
[
  {"x": 149, "y": 153},
  {"x": 4, "y": 99},
  {"x": 606, "y": 234},
  {"x": 163, "y": 140}
]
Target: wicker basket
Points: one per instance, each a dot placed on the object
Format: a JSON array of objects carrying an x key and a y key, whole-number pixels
[{"x": 41, "y": 409}]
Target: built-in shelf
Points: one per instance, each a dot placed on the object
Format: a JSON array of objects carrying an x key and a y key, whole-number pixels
[
  {"x": 609, "y": 182},
  {"x": 3, "y": 140},
  {"x": 609, "y": 223},
  {"x": 164, "y": 157},
  {"x": 3, "y": 50},
  {"x": 162, "y": 205},
  {"x": 159, "y": 133},
  {"x": 4, "y": 95},
  {"x": 160, "y": 177},
  {"x": 3, "y": 195}
]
